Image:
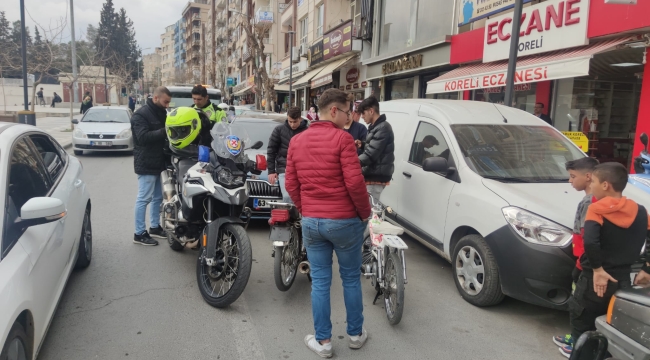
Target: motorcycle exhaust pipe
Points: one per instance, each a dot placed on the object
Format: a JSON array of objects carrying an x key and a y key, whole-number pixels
[
  {"x": 303, "y": 267},
  {"x": 168, "y": 186}
]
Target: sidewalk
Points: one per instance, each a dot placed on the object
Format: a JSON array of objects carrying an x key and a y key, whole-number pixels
[
  {"x": 58, "y": 128},
  {"x": 47, "y": 111}
]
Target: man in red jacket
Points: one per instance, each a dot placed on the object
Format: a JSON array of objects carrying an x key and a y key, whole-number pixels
[{"x": 323, "y": 178}]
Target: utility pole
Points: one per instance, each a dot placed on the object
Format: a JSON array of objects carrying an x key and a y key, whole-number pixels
[
  {"x": 290, "y": 67},
  {"x": 75, "y": 85},
  {"x": 514, "y": 49},
  {"x": 203, "y": 77},
  {"x": 213, "y": 53},
  {"x": 25, "y": 116}
]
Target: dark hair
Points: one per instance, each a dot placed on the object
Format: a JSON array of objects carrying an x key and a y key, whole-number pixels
[
  {"x": 586, "y": 164},
  {"x": 331, "y": 96},
  {"x": 432, "y": 139},
  {"x": 294, "y": 112},
  {"x": 369, "y": 103},
  {"x": 613, "y": 173},
  {"x": 200, "y": 90},
  {"x": 162, "y": 90},
  {"x": 540, "y": 104}
]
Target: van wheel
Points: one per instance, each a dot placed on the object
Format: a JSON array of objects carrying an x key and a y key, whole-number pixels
[{"x": 476, "y": 272}]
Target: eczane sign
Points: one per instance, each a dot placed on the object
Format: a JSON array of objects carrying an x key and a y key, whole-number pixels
[{"x": 548, "y": 26}]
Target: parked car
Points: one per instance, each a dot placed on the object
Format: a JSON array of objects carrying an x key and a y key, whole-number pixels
[
  {"x": 491, "y": 195},
  {"x": 46, "y": 233},
  {"x": 259, "y": 127},
  {"x": 182, "y": 96},
  {"x": 103, "y": 128}
]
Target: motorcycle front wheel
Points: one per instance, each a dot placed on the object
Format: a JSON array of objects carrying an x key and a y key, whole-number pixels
[
  {"x": 223, "y": 283},
  {"x": 285, "y": 264},
  {"x": 394, "y": 288}
]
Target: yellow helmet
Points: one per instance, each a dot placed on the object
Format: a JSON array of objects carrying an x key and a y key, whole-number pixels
[{"x": 183, "y": 126}]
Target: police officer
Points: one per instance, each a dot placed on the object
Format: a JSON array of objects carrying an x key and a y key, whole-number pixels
[{"x": 202, "y": 101}]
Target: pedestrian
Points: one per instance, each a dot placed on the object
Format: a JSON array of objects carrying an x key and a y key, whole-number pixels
[
  {"x": 202, "y": 101},
  {"x": 41, "y": 98},
  {"x": 278, "y": 109},
  {"x": 615, "y": 230},
  {"x": 539, "y": 108},
  {"x": 580, "y": 172},
  {"x": 312, "y": 115},
  {"x": 358, "y": 131},
  {"x": 87, "y": 103},
  {"x": 132, "y": 102},
  {"x": 148, "y": 128},
  {"x": 378, "y": 151},
  {"x": 278, "y": 148},
  {"x": 55, "y": 99},
  {"x": 325, "y": 182}
]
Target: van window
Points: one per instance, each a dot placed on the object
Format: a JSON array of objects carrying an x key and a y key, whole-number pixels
[
  {"x": 184, "y": 98},
  {"x": 428, "y": 142},
  {"x": 516, "y": 152}
]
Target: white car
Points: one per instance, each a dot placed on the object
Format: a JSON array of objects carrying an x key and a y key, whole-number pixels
[
  {"x": 103, "y": 128},
  {"x": 485, "y": 186},
  {"x": 46, "y": 233}
]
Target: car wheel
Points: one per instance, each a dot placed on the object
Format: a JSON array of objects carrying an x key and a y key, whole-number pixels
[
  {"x": 78, "y": 152},
  {"x": 476, "y": 272},
  {"x": 16, "y": 347},
  {"x": 85, "y": 250}
]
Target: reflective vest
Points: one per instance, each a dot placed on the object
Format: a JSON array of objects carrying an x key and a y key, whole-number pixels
[{"x": 214, "y": 114}]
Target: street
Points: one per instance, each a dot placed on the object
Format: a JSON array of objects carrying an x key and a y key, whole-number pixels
[{"x": 140, "y": 302}]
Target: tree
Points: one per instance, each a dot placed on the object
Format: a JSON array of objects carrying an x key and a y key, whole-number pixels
[
  {"x": 256, "y": 32},
  {"x": 91, "y": 34}
]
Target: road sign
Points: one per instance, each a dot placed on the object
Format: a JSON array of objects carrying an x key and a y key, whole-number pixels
[
  {"x": 578, "y": 138},
  {"x": 230, "y": 81}
]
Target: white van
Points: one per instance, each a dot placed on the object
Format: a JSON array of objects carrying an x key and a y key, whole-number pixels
[{"x": 492, "y": 198}]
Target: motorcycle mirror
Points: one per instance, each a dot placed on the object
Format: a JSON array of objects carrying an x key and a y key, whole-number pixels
[
  {"x": 260, "y": 162},
  {"x": 257, "y": 145},
  {"x": 644, "y": 140}
]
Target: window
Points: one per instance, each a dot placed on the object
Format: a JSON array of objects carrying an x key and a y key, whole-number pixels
[
  {"x": 51, "y": 155},
  {"x": 428, "y": 142},
  {"x": 304, "y": 30},
  {"x": 320, "y": 12},
  {"x": 27, "y": 179}
]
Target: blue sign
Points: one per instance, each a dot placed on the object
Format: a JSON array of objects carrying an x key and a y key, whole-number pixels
[
  {"x": 230, "y": 81},
  {"x": 264, "y": 16},
  {"x": 472, "y": 10}
]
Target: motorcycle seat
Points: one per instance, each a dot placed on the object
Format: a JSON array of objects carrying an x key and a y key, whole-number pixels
[{"x": 386, "y": 228}]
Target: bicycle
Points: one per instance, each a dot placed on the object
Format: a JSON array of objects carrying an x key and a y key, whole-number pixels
[{"x": 384, "y": 262}]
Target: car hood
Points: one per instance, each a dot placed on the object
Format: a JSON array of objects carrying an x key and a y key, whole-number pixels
[
  {"x": 554, "y": 201},
  {"x": 103, "y": 127}
]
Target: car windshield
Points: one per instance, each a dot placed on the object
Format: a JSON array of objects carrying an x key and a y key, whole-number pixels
[
  {"x": 106, "y": 115},
  {"x": 184, "y": 98},
  {"x": 516, "y": 153},
  {"x": 259, "y": 130}
]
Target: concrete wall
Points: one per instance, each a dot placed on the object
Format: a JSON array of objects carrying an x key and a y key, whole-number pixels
[{"x": 13, "y": 95}]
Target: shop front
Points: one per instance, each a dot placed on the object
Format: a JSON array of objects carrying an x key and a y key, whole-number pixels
[
  {"x": 352, "y": 79},
  {"x": 586, "y": 74},
  {"x": 245, "y": 92}
]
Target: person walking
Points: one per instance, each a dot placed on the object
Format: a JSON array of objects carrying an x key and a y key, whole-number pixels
[
  {"x": 132, "y": 102},
  {"x": 325, "y": 182},
  {"x": 148, "y": 128},
  {"x": 41, "y": 98},
  {"x": 539, "y": 112},
  {"x": 278, "y": 148},
  {"x": 312, "y": 115},
  {"x": 378, "y": 151}
]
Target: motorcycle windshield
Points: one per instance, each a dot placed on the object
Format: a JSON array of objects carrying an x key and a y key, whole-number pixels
[{"x": 229, "y": 141}]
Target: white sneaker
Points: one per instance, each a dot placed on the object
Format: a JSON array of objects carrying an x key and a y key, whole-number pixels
[
  {"x": 356, "y": 342},
  {"x": 322, "y": 350}
]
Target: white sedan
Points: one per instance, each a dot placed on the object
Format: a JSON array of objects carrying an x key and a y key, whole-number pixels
[
  {"x": 103, "y": 128},
  {"x": 46, "y": 233}
]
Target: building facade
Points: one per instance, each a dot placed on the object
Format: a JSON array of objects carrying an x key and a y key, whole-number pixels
[
  {"x": 195, "y": 16},
  {"x": 152, "y": 70},
  {"x": 167, "y": 56}
]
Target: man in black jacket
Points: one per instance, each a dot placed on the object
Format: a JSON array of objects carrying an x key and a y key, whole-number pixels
[
  {"x": 148, "y": 128},
  {"x": 378, "y": 157},
  {"x": 279, "y": 147}
]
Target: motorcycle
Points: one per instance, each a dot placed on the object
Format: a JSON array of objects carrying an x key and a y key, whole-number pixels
[
  {"x": 642, "y": 162},
  {"x": 204, "y": 197},
  {"x": 289, "y": 253}
]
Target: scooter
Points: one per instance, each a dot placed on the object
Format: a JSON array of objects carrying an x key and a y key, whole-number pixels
[{"x": 642, "y": 162}]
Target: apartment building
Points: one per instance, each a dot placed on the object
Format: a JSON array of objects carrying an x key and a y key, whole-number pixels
[
  {"x": 167, "y": 56},
  {"x": 195, "y": 17},
  {"x": 179, "y": 46},
  {"x": 152, "y": 70}
]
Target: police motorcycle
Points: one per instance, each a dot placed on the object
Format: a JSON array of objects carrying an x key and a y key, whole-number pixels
[{"x": 204, "y": 197}]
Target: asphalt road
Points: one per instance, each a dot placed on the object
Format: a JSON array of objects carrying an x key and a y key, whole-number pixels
[{"x": 136, "y": 302}]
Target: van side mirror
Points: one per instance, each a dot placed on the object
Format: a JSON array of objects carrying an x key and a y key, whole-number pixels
[
  {"x": 591, "y": 345},
  {"x": 75, "y": 121},
  {"x": 437, "y": 164}
]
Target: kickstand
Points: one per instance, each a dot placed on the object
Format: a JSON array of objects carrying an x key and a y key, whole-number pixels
[{"x": 379, "y": 293}]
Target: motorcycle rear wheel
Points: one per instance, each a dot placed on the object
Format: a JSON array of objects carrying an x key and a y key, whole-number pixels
[
  {"x": 394, "y": 288},
  {"x": 222, "y": 284},
  {"x": 285, "y": 263}
]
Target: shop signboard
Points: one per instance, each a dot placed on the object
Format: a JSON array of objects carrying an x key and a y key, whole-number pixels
[
  {"x": 472, "y": 10},
  {"x": 299, "y": 67},
  {"x": 315, "y": 54},
  {"x": 578, "y": 138},
  {"x": 547, "y": 26},
  {"x": 338, "y": 41},
  {"x": 323, "y": 80},
  {"x": 353, "y": 75},
  {"x": 230, "y": 81}
]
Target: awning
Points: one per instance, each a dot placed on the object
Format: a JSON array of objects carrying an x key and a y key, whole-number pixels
[
  {"x": 243, "y": 91},
  {"x": 281, "y": 87},
  {"x": 554, "y": 65},
  {"x": 304, "y": 81},
  {"x": 325, "y": 76}
]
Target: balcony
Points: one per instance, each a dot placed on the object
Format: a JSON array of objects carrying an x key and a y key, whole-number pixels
[
  {"x": 196, "y": 43},
  {"x": 196, "y": 16},
  {"x": 246, "y": 56},
  {"x": 220, "y": 23},
  {"x": 286, "y": 19}
]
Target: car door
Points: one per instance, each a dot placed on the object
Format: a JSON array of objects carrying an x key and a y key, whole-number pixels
[
  {"x": 43, "y": 243},
  {"x": 425, "y": 195}
]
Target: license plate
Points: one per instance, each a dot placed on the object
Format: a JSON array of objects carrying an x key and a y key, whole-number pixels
[
  {"x": 280, "y": 233},
  {"x": 101, "y": 143},
  {"x": 260, "y": 203}
]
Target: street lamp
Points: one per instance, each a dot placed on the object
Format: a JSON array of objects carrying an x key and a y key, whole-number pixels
[
  {"x": 104, "y": 44},
  {"x": 291, "y": 33},
  {"x": 514, "y": 48}
]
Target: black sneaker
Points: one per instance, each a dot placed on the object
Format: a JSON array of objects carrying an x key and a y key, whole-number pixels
[
  {"x": 144, "y": 239},
  {"x": 158, "y": 232}
]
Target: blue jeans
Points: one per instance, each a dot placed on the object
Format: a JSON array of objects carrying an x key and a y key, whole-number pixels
[
  {"x": 321, "y": 237},
  {"x": 149, "y": 192},
  {"x": 285, "y": 195}
]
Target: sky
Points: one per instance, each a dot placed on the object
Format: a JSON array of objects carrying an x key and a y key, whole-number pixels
[{"x": 150, "y": 17}]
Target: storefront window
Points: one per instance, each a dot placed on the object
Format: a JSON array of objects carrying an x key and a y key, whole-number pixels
[
  {"x": 525, "y": 96},
  {"x": 409, "y": 23},
  {"x": 401, "y": 89}
]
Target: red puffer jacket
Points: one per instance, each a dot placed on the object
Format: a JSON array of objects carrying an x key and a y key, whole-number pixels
[{"x": 323, "y": 175}]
